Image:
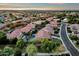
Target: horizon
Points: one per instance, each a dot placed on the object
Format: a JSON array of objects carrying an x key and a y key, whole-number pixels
[{"x": 39, "y": 6}]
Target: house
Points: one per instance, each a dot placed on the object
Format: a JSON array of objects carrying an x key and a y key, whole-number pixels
[
  {"x": 38, "y": 22},
  {"x": 17, "y": 21},
  {"x": 15, "y": 34},
  {"x": 26, "y": 19},
  {"x": 7, "y": 18},
  {"x": 49, "y": 29},
  {"x": 75, "y": 29},
  {"x": 1, "y": 19},
  {"x": 45, "y": 32},
  {"x": 65, "y": 20},
  {"x": 54, "y": 23},
  {"x": 49, "y": 19},
  {"x": 18, "y": 15},
  {"x": 28, "y": 28},
  {"x": 2, "y": 26}
]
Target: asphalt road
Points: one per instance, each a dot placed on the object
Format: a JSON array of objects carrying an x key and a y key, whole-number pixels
[{"x": 73, "y": 51}]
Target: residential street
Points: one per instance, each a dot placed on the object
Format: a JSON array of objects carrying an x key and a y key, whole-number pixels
[{"x": 73, "y": 51}]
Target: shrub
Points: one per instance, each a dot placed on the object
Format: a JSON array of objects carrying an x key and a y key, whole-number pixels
[
  {"x": 7, "y": 51},
  {"x": 31, "y": 50},
  {"x": 17, "y": 52},
  {"x": 20, "y": 43},
  {"x": 3, "y": 39}
]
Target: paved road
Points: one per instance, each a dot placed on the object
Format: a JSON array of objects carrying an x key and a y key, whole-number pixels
[{"x": 73, "y": 51}]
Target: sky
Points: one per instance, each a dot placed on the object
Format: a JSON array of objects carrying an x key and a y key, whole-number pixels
[{"x": 46, "y": 6}]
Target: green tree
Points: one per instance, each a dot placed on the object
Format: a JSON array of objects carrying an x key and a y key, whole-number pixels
[
  {"x": 2, "y": 35},
  {"x": 73, "y": 19},
  {"x": 56, "y": 30},
  {"x": 69, "y": 30},
  {"x": 7, "y": 51},
  {"x": 12, "y": 16},
  {"x": 74, "y": 37},
  {"x": 13, "y": 41},
  {"x": 44, "y": 45},
  {"x": 77, "y": 43},
  {"x": 20, "y": 43},
  {"x": 3, "y": 38},
  {"x": 17, "y": 52},
  {"x": 60, "y": 15},
  {"x": 31, "y": 50},
  {"x": 47, "y": 45},
  {"x": 0, "y": 52},
  {"x": 1, "y": 21}
]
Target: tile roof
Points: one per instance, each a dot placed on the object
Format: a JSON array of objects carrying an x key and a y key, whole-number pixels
[
  {"x": 75, "y": 26},
  {"x": 49, "y": 19},
  {"x": 54, "y": 23},
  {"x": 15, "y": 34},
  {"x": 18, "y": 32},
  {"x": 2, "y": 26},
  {"x": 45, "y": 32},
  {"x": 42, "y": 34},
  {"x": 27, "y": 28}
]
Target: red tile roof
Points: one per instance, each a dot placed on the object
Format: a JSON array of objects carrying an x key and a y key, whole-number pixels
[
  {"x": 45, "y": 32},
  {"x": 54, "y": 23},
  {"x": 27, "y": 28},
  {"x": 49, "y": 19},
  {"x": 17, "y": 33}
]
